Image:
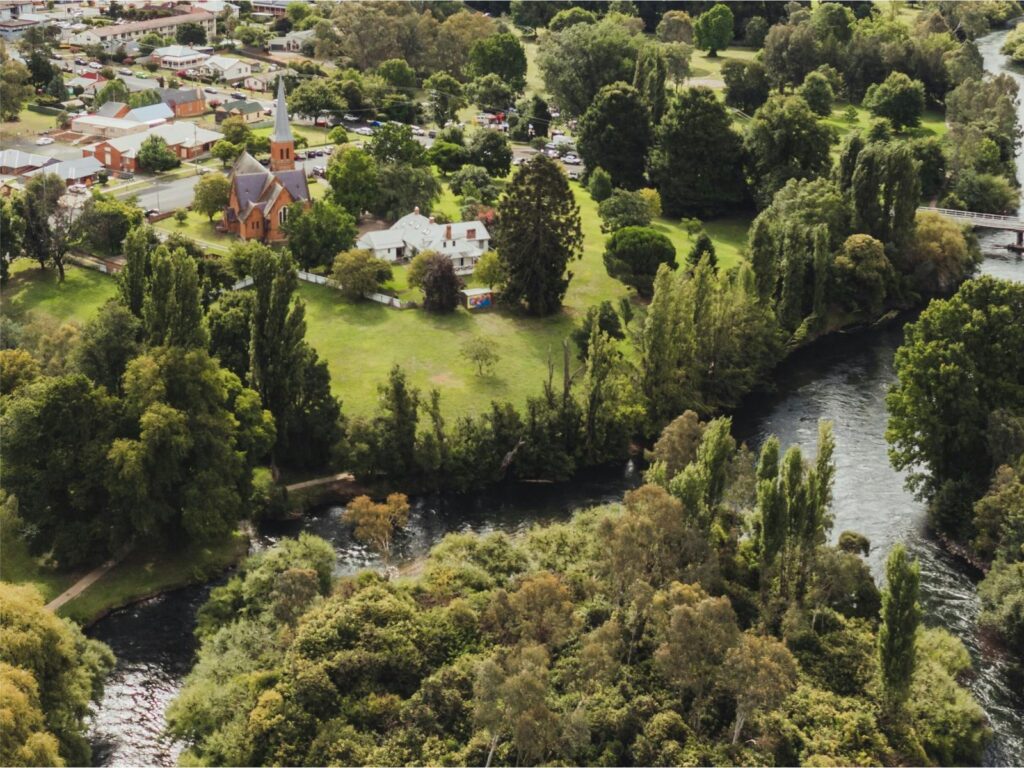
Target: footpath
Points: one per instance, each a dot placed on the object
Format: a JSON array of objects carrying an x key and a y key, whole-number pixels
[{"x": 80, "y": 586}]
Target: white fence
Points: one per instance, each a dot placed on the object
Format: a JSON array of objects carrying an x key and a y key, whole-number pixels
[{"x": 310, "y": 277}]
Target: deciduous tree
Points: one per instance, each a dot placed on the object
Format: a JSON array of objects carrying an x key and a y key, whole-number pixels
[
  {"x": 633, "y": 255},
  {"x": 212, "y": 194},
  {"x": 318, "y": 233},
  {"x": 615, "y": 134}
]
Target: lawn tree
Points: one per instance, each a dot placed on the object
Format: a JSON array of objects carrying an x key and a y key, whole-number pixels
[
  {"x": 600, "y": 185},
  {"x": 712, "y": 31},
  {"x": 440, "y": 284},
  {"x": 172, "y": 310},
  {"x": 501, "y": 54},
  {"x": 624, "y": 208},
  {"x": 649, "y": 80},
  {"x": 358, "y": 272},
  {"x": 114, "y": 90},
  {"x": 897, "y": 634},
  {"x": 236, "y": 131},
  {"x": 353, "y": 176},
  {"x": 396, "y": 144},
  {"x": 56, "y": 89},
  {"x": 316, "y": 96},
  {"x": 17, "y": 84},
  {"x": 491, "y": 270},
  {"x": 318, "y": 233},
  {"x": 540, "y": 233},
  {"x": 402, "y": 188},
  {"x": 105, "y": 221},
  {"x": 445, "y": 97},
  {"x": 155, "y": 156},
  {"x": 474, "y": 181},
  {"x": 703, "y": 248},
  {"x": 696, "y": 163},
  {"x": 615, "y": 134},
  {"x": 448, "y": 157},
  {"x": 746, "y": 85},
  {"x": 226, "y": 152},
  {"x": 675, "y": 27},
  {"x": 784, "y": 141},
  {"x": 491, "y": 150},
  {"x": 479, "y": 352},
  {"x": 817, "y": 92},
  {"x": 633, "y": 255},
  {"x": 376, "y": 524},
  {"x": 898, "y": 98},
  {"x": 605, "y": 319},
  {"x": 12, "y": 233},
  {"x": 212, "y": 194},
  {"x": 398, "y": 73},
  {"x": 42, "y": 198}
]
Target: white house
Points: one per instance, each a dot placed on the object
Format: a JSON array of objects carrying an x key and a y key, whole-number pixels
[
  {"x": 292, "y": 42},
  {"x": 225, "y": 68},
  {"x": 177, "y": 57},
  {"x": 464, "y": 242}
]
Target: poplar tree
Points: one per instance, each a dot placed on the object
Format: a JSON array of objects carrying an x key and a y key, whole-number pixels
[
  {"x": 172, "y": 310},
  {"x": 659, "y": 345},
  {"x": 901, "y": 615},
  {"x": 649, "y": 79}
]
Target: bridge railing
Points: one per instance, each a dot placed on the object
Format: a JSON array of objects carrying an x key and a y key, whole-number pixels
[{"x": 974, "y": 216}]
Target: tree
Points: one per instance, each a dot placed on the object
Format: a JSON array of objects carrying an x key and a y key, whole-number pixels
[
  {"x": 236, "y": 131},
  {"x": 49, "y": 222},
  {"x": 490, "y": 270},
  {"x": 359, "y": 271},
  {"x": 954, "y": 370},
  {"x": 172, "y": 311},
  {"x": 107, "y": 344},
  {"x": 569, "y": 16},
  {"x": 703, "y": 248},
  {"x": 633, "y": 255},
  {"x": 445, "y": 97},
  {"x": 898, "y": 98},
  {"x": 479, "y": 352},
  {"x": 190, "y": 34},
  {"x": 784, "y": 141},
  {"x": 759, "y": 672},
  {"x": 155, "y": 156},
  {"x": 211, "y": 194},
  {"x": 474, "y": 181},
  {"x": 624, "y": 209},
  {"x": 490, "y": 92},
  {"x": 56, "y": 89},
  {"x": 600, "y": 185},
  {"x": 696, "y": 163},
  {"x": 186, "y": 412},
  {"x": 113, "y": 90},
  {"x": 17, "y": 368},
  {"x": 791, "y": 52},
  {"x": 447, "y": 157},
  {"x": 51, "y": 674},
  {"x": 649, "y": 79},
  {"x": 491, "y": 150},
  {"x": 225, "y": 151},
  {"x": 746, "y": 85},
  {"x": 105, "y": 221},
  {"x": 577, "y": 62},
  {"x": 440, "y": 284},
  {"x": 17, "y": 83},
  {"x": 937, "y": 256},
  {"x": 712, "y": 31},
  {"x": 376, "y": 524},
  {"x": 540, "y": 234},
  {"x": 402, "y": 188},
  {"x": 397, "y": 72},
  {"x": 675, "y": 27},
  {"x": 615, "y": 134},
  {"x": 353, "y": 176},
  {"x": 602, "y": 317},
  {"x": 318, "y": 233},
  {"x": 901, "y": 615},
  {"x": 501, "y": 54},
  {"x": 316, "y": 96},
  {"x": 863, "y": 274},
  {"x": 817, "y": 92},
  {"x": 396, "y": 144}
]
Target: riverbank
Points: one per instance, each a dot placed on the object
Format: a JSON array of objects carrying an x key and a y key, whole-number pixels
[{"x": 143, "y": 574}]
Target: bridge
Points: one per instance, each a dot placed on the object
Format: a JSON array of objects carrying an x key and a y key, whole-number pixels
[{"x": 988, "y": 220}]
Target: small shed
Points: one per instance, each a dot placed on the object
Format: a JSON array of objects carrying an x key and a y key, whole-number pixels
[{"x": 477, "y": 298}]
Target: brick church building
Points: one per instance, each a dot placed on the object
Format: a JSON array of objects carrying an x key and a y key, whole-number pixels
[{"x": 260, "y": 197}]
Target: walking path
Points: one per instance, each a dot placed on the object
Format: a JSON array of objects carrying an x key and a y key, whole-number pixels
[
  {"x": 79, "y": 586},
  {"x": 320, "y": 481}
]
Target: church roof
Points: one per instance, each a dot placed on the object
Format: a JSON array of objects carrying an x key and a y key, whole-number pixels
[
  {"x": 282, "y": 128},
  {"x": 258, "y": 187}
]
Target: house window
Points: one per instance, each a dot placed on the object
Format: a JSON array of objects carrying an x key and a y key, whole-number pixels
[{"x": 282, "y": 215}]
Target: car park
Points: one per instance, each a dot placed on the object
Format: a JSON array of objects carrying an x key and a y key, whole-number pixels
[{"x": 42, "y": 141}]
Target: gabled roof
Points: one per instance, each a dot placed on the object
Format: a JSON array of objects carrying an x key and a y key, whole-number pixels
[
  {"x": 223, "y": 62},
  {"x": 159, "y": 23},
  {"x": 150, "y": 113},
  {"x": 15, "y": 158},
  {"x": 176, "y": 52},
  {"x": 110, "y": 109},
  {"x": 258, "y": 187},
  {"x": 72, "y": 170},
  {"x": 174, "y": 96},
  {"x": 244, "y": 107}
]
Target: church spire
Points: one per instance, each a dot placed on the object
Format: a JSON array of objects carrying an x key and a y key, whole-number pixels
[
  {"x": 282, "y": 128},
  {"x": 282, "y": 145}
]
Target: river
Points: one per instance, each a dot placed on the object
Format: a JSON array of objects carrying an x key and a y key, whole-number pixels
[{"x": 843, "y": 379}]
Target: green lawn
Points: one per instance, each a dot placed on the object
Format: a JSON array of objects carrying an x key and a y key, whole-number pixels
[
  {"x": 36, "y": 292},
  {"x": 315, "y": 136},
  {"x": 28, "y": 124},
  {"x": 201, "y": 229},
  {"x": 147, "y": 572},
  {"x": 703, "y": 66},
  {"x": 19, "y": 566},
  {"x": 933, "y": 122}
]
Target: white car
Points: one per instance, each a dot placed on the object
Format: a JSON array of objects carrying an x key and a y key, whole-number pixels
[
  {"x": 417, "y": 131},
  {"x": 78, "y": 189},
  {"x": 95, "y": 65},
  {"x": 350, "y": 118},
  {"x": 364, "y": 130},
  {"x": 571, "y": 160},
  {"x": 42, "y": 141}
]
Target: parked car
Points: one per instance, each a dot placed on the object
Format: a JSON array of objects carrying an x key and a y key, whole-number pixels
[
  {"x": 78, "y": 189},
  {"x": 317, "y": 153},
  {"x": 95, "y": 65},
  {"x": 151, "y": 212},
  {"x": 571, "y": 159},
  {"x": 81, "y": 62},
  {"x": 125, "y": 71},
  {"x": 42, "y": 141},
  {"x": 417, "y": 131},
  {"x": 364, "y": 131},
  {"x": 350, "y": 118},
  {"x": 376, "y": 123},
  {"x": 321, "y": 121},
  {"x": 318, "y": 170},
  {"x": 210, "y": 90},
  {"x": 300, "y": 155},
  {"x": 237, "y": 95}
]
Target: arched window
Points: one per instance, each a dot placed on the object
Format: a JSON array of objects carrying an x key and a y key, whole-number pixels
[{"x": 282, "y": 215}]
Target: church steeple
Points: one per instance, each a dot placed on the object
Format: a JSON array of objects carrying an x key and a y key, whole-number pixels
[{"x": 282, "y": 144}]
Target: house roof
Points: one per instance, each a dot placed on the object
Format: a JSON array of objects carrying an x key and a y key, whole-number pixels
[
  {"x": 381, "y": 239},
  {"x": 175, "y": 134},
  {"x": 176, "y": 52},
  {"x": 100, "y": 121},
  {"x": 149, "y": 113},
  {"x": 144, "y": 26},
  {"x": 243, "y": 106},
  {"x": 15, "y": 158},
  {"x": 72, "y": 170},
  {"x": 417, "y": 231},
  {"x": 258, "y": 187},
  {"x": 223, "y": 62},
  {"x": 174, "y": 96},
  {"x": 110, "y": 109}
]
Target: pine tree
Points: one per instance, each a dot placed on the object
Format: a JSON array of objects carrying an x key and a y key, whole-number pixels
[
  {"x": 539, "y": 234},
  {"x": 901, "y": 615}
]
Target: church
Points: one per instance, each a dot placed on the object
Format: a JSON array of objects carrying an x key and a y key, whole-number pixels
[{"x": 260, "y": 197}]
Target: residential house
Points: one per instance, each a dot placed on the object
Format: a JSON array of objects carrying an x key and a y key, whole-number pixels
[
  {"x": 292, "y": 42},
  {"x": 177, "y": 57},
  {"x": 265, "y": 81},
  {"x": 15, "y": 162},
  {"x": 80, "y": 171},
  {"x": 225, "y": 68},
  {"x": 134, "y": 30},
  {"x": 275, "y": 8},
  {"x": 86, "y": 84},
  {"x": 13, "y": 9},
  {"x": 249, "y": 111},
  {"x": 260, "y": 197},
  {"x": 107, "y": 127},
  {"x": 152, "y": 115},
  {"x": 464, "y": 242},
  {"x": 187, "y": 140},
  {"x": 186, "y": 102},
  {"x": 13, "y": 29}
]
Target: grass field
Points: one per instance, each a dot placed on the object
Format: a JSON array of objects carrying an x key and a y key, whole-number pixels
[
  {"x": 28, "y": 124},
  {"x": 145, "y": 573},
  {"x": 703, "y": 66},
  {"x": 19, "y": 566},
  {"x": 199, "y": 227},
  {"x": 35, "y": 292},
  {"x": 933, "y": 122}
]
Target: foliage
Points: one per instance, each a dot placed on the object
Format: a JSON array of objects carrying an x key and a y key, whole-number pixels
[
  {"x": 359, "y": 271},
  {"x": 712, "y": 30},
  {"x": 155, "y": 156},
  {"x": 624, "y": 208},
  {"x": 898, "y": 98},
  {"x": 375, "y": 524},
  {"x": 445, "y": 96},
  {"x": 318, "y": 232},
  {"x": 746, "y": 85},
  {"x": 104, "y": 222},
  {"x": 17, "y": 82},
  {"x": 479, "y": 353},
  {"x": 399, "y": 189},
  {"x": 212, "y": 194},
  {"x": 474, "y": 181},
  {"x": 492, "y": 151},
  {"x": 440, "y": 285},
  {"x": 600, "y": 185},
  {"x": 901, "y": 615},
  {"x": 937, "y": 257},
  {"x": 818, "y": 94},
  {"x": 633, "y": 255},
  {"x": 615, "y": 134},
  {"x": 538, "y": 236},
  {"x": 354, "y": 179},
  {"x": 501, "y": 54},
  {"x": 1002, "y": 602},
  {"x": 863, "y": 274},
  {"x": 602, "y": 317}
]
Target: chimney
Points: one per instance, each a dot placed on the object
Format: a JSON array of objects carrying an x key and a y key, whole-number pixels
[
  {"x": 432, "y": 220},
  {"x": 416, "y": 209},
  {"x": 448, "y": 232},
  {"x": 471, "y": 234}
]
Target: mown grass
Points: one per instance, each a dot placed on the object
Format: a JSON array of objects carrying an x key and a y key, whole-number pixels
[
  {"x": 28, "y": 124},
  {"x": 33, "y": 292},
  {"x": 147, "y": 572},
  {"x": 707, "y": 67},
  {"x": 19, "y": 566},
  {"x": 199, "y": 227}
]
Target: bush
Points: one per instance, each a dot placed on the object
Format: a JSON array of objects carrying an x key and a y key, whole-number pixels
[
  {"x": 359, "y": 272},
  {"x": 633, "y": 255},
  {"x": 982, "y": 192},
  {"x": 600, "y": 185},
  {"x": 1002, "y": 602},
  {"x": 624, "y": 209}
]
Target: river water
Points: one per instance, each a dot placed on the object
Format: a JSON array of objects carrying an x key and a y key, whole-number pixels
[{"x": 843, "y": 379}]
